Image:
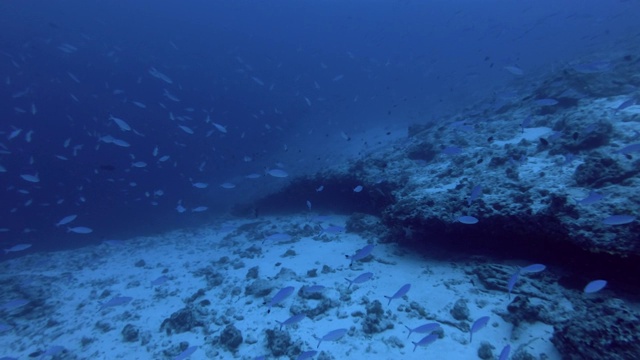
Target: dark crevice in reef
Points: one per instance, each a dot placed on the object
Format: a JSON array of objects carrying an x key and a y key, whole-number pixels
[
  {"x": 538, "y": 239},
  {"x": 504, "y": 238},
  {"x": 337, "y": 196}
]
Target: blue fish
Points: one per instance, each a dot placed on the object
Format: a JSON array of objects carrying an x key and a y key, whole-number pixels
[
  {"x": 475, "y": 193},
  {"x": 400, "y": 293},
  {"x": 360, "y": 279},
  {"x": 477, "y": 326},
  {"x": 593, "y": 198},
  {"x": 425, "y": 340},
  {"x": 116, "y": 301},
  {"x": 504, "y": 354},
  {"x": 619, "y": 219},
  {"x": 423, "y": 329},
  {"x": 533, "y": 268},
  {"x": 292, "y": 320},
  {"x": 280, "y": 296},
  {"x": 595, "y": 286},
  {"x": 159, "y": 281},
  {"x": 332, "y": 336},
  {"x": 362, "y": 253},
  {"x": 186, "y": 353}
]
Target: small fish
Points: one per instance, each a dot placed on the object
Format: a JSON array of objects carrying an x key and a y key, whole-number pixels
[
  {"x": 533, "y": 268},
  {"x": 477, "y": 326},
  {"x": 228, "y": 185},
  {"x": 279, "y": 173},
  {"x": 139, "y": 164},
  {"x": 116, "y": 301},
  {"x": 186, "y": 129},
  {"x": 14, "y": 134},
  {"x": 593, "y": 198},
  {"x": 475, "y": 193},
  {"x": 30, "y": 178},
  {"x": 120, "y": 143},
  {"x": 332, "y": 336},
  {"x": 425, "y": 340},
  {"x": 357, "y": 189},
  {"x": 157, "y": 74},
  {"x": 362, "y": 253},
  {"x": 199, "y": 209},
  {"x": 308, "y": 204},
  {"x": 504, "y": 354},
  {"x": 257, "y": 80},
  {"x": 16, "y": 248},
  {"x": 280, "y": 296},
  {"x": 469, "y": 220},
  {"x": 400, "y": 293},
  {"x": 121, "y": 123},
  {"x": 514, "y": 70},
  {"x": 200, "y": 185},
  {"x": 595, "y": 286},
  {"x": 626, "y": 104},
  {"x": 159, "y": 281},
  {"x": 292, "y": 320},
  {"x": 619, "y": 219},
  {"x": 186, "y": 353},
  {"x": 423, "y": 329},
  {"x": 139, "y": 104},
  {"x": 80, "y": 230},
  {"x": 360, "y": 279},
  {"x": 222, "y": 129},
  {"x": 320, "y": 188}
]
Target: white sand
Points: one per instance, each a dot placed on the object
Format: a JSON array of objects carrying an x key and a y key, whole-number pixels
[{"x": 73, "y": 281}]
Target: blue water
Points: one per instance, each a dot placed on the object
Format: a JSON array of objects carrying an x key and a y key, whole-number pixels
[{"x": 272, "y": 72}]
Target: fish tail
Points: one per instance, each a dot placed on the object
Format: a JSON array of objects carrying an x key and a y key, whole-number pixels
[{"x": 350, "y": 283}]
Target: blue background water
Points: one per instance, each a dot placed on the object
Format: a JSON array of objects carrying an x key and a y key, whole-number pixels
[{"x": 401, "y": 62}]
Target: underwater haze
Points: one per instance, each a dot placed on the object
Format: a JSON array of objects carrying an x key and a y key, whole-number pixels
[
  {"x": 280, "y": 76},
  {"x": 390, "y": 179}
]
